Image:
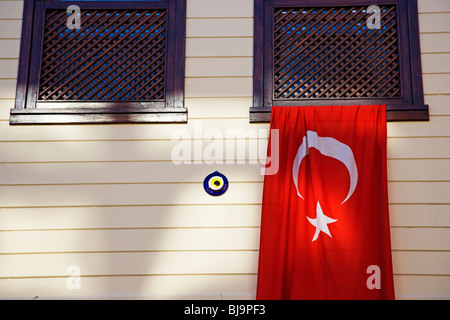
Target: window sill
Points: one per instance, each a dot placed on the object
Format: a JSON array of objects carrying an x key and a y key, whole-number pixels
[
  {"x": 97, "y": 116},
  {"x": 394, "y": 113}
]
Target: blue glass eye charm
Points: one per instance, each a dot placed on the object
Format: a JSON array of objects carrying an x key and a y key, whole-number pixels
[{"x": 215, "y": 184}]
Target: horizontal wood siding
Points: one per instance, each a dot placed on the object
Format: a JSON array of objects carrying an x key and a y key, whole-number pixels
[{"x": 109, "y": 200}]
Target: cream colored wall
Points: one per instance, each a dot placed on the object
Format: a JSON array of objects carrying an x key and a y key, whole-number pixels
[{"x": 109, "y": 200}]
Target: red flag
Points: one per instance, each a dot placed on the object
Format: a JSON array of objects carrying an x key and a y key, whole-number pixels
[{"x": 325, "y": 222}]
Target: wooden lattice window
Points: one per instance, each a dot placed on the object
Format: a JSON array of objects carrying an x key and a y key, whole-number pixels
[
  {"x": 324, "y": 53},
  {"x": 120, "y": 56},
  {"x": 124, "y": 63}
]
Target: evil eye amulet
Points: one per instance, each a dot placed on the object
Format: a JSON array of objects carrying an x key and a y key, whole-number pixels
[{"x": 215, "y": 184}]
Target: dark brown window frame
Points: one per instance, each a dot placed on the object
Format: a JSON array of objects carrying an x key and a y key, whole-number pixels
[
  {"x": 412, "y": 106},
  {"x": 170, "y": 110}
]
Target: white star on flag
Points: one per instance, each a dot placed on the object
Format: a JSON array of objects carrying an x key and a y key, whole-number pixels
[{"x": 320, "y": 222}]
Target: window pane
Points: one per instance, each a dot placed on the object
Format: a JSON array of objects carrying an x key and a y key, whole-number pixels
[
  {"x": 330, "y": 53},
  {"x": 115, "y": 55}
]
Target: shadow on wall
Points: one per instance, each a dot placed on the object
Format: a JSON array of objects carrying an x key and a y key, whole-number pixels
[{"x": 108, "y": 199}]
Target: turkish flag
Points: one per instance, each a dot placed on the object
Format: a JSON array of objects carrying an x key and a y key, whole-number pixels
[{"x": 325, "y": 222}]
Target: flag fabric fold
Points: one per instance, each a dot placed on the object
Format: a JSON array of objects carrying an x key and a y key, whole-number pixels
[{"x": 325, "y": 221}]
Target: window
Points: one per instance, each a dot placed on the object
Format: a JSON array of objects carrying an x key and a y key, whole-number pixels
[
  {"x": 327, "y": 53},
  {"x": 122, "y": 63}
]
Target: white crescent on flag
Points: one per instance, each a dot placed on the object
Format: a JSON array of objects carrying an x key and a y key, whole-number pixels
[{"x": 328, "y": 147}]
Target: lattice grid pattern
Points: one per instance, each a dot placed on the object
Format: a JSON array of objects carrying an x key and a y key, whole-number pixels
[
  {"x": 322, "y": 53},
  {"x": 116, "y": 55}
]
